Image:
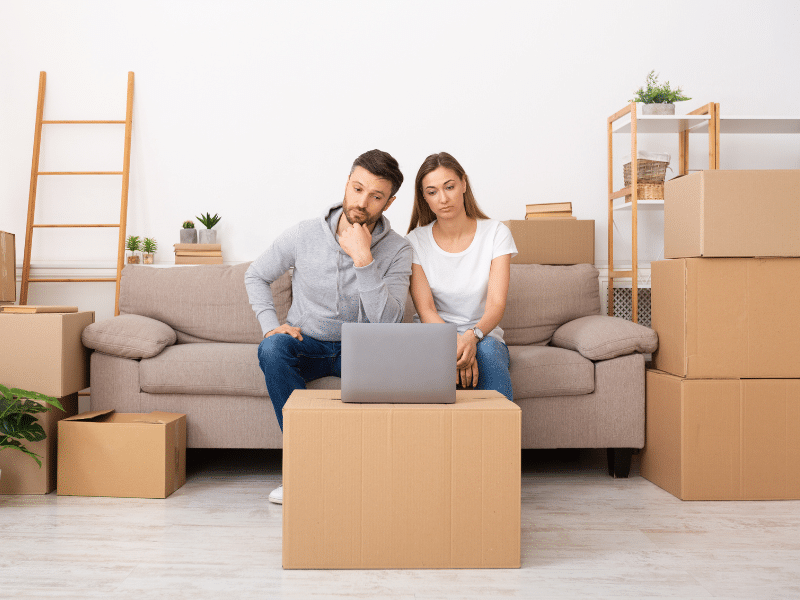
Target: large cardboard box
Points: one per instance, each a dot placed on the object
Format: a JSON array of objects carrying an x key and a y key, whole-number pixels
[
  {"x": 553, "y": 241},
  {"x": 727, "y": 317},
  {"x": 732, "y": 213},
  {"x": 723, "y": 439},
  {"x": 43, "y": 352},
  {"x": 124, "y": 455},
  {"x": 8, "y": 268},
  {"x": 382, "y": 486},
  {"x": 21, "y": 473}
]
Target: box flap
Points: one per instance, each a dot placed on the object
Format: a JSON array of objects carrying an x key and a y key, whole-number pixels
[
  {"x": 158, "y": 418},
  {"x": 89, "y": 416}
]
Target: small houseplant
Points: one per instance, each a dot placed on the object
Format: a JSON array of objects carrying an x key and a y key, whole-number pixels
[
  {"x": 134, "y": 245},
  {"x": 188, "y": 233},
  {"x": 149, "y": 247},
  {"x": 658, "y": 99},
  {"x": 208, "y": 236},
  {"x": 17, "y": 423}
]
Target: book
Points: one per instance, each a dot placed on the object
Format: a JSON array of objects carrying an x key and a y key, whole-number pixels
[
  {"x": 531, "y": 217},
  {"x": 548, "y": 207},
  {"x": 198, "y": 247},
  {"x": 30, "y": 309},
  {"x": 198, "y": 260},
  {"x": 548, "y": 215},
  {"x": 198, "y": 253}
]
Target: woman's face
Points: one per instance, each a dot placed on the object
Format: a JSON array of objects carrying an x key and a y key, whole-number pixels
[{"x": 444, "y": 190}]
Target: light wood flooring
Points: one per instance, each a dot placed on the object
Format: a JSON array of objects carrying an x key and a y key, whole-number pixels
[{"x": 584, "y": 535}]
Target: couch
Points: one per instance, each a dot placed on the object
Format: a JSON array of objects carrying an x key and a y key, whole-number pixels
[{"x": 186, "y": 338}]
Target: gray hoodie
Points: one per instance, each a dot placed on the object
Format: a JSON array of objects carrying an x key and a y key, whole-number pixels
[{"x": 327, "y": 288}]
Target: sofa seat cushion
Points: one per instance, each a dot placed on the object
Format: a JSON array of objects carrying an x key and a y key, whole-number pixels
[
  {"x": 205, "y": 369},
  {"x": 542, "y": 371}
]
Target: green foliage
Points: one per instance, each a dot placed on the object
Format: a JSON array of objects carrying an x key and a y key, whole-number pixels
[
  {"x": 654, "y": 93},
  {"x": 188, "y": 225},
  {"x": 17, "y": 422},
  {"x": 149, "y": 245},
  {"x": 208, "y": 220},
  {"x": 133, "y": 243}
]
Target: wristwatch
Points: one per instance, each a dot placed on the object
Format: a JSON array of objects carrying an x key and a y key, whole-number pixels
[{"x": 478, "y": 333}]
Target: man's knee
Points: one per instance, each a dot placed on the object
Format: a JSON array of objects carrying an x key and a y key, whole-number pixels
[{"x": 276, "y": 348}]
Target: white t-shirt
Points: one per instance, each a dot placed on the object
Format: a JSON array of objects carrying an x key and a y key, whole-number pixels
[{"x": 460, "y": 280}]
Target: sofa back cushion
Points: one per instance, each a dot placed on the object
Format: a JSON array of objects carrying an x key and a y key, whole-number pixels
[
  {"x": 541, "y": 298},
  {"x": 202, "y": 303}
]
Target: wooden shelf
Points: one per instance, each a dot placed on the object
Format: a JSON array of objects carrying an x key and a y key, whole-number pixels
[
  {"x": 663, "y": 124},
  {"x": 745, "y": 124},
  {"x": 640, "y": 205}
]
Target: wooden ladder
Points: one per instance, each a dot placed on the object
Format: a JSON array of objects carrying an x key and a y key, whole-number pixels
[{"x": 35, "y": 173}]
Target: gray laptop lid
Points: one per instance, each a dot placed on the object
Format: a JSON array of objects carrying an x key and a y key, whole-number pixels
[{"x": 399, "y": 362}]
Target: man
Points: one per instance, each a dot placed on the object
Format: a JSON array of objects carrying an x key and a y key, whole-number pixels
[{"x": 349, "y": 266}]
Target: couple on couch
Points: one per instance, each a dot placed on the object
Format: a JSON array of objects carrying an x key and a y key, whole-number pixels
[{"x": 350, "y": 266}]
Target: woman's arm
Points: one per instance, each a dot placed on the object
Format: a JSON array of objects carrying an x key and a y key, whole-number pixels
[{"x": 422, "y": 296}]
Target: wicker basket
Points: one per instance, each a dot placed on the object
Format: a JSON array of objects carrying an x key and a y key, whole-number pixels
[{"x": 650, "y": 183}]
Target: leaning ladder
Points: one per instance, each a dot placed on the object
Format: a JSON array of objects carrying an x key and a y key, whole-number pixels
[{"x": 35, "y": 173}]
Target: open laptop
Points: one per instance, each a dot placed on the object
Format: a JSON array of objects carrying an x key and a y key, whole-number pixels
[{"x": 399, "y": 363}]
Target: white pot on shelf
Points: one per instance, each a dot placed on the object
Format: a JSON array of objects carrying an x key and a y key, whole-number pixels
[
  {"x": 208, "y": 236},
  {"x": 658, "y": 108}
]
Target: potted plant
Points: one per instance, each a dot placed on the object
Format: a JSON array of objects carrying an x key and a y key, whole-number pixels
[
  {"x": 208, "y": 236},
  {"x": 658, "y": 99},
  {"x": 17, "y": 423},
  {"x": 134, "y": 245},
  {"x": 188, "y": 233},
  {"x": 149, "y": 247}
]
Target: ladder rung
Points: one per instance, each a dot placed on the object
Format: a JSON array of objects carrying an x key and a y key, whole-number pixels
[
  {"x": 79, "y": 173},
  {"x": 615, "y": 274},
  {"x": 83, "y": 122},
  {"x": 81, "y": 225},
  {"x": 69, "y": 279}
]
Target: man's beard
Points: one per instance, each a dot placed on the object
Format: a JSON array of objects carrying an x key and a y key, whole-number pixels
[{"x": 362, "y": 218}]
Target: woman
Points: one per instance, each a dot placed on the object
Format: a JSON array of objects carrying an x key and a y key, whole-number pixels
[{"x": 460, "y": 270}]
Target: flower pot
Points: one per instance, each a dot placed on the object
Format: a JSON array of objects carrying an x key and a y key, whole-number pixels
[
  {"x": 147, "y": 258},
  {"x": 133, "y": 259},
  {"x": 208, "y": 236},
  {"x": 188, "y": 236},
  {"x": 658, "y": 109}
]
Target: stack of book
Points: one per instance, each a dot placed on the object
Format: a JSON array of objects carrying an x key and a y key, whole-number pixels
[
  {"x": 198, "y": 254},
  {"x": 552, "y": 210}
]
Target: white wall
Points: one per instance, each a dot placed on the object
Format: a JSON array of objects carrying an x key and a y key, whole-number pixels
[{"x": 255, "y": 110}]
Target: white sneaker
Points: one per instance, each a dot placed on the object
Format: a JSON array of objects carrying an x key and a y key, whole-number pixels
[{"x": 276, "y": 496}]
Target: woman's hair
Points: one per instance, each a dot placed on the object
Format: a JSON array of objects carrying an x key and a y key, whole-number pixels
[{"x": 422, "y": 214}]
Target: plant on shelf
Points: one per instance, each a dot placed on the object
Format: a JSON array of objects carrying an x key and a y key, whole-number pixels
[
  {"x": 17, "y": 423},
  {"x": 208, "y": 235},
  {"x": 188, "y": 224},
  {"x": 188, "y": 233},
  {"x": 208, "y": 220},
  {"x": 149, "y": 247},
  {"x": 654, "y": 93},
  {"x": 134, "y": 245}
]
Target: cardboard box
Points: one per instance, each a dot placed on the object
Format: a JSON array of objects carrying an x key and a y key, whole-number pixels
[
  {"x": 553, "y": 241},
  {"x": 124, "y": 455},
  {"x": 43, "y": 352},
  {"x": 732, "y": 213},
  {"x": 21, "y": 473},
  {"x": 727, "y": 317},
  {"x": 723, "y": 439},
  {"x": 384, "y": 486},
  {"x": 8, "y": 268}
]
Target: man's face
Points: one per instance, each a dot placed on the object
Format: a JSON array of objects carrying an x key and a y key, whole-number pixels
[{"x": 366, "y": 196}]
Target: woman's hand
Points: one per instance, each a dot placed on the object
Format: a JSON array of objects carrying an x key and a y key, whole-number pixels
[
  {"x": 466, "y": 348},
  {"x": 468, "y": 376}
]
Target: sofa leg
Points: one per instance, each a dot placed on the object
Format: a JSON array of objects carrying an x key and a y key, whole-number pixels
[{"x": 619, "y": 461}]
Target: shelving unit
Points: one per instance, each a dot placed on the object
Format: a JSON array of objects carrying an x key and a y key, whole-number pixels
[{"x": 630, "y": 120}]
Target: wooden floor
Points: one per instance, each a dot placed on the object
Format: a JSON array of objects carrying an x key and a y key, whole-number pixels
[{"x": 584, "y": 535}]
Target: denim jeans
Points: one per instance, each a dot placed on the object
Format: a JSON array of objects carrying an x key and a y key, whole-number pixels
[
  {"x": 493, "y": 361},
  {"x": 288, "y": 364}
]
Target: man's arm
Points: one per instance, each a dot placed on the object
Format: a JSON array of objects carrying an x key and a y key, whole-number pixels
[
  {"x": 273, "y": 263},
  {"x": 384, "y": 296}
]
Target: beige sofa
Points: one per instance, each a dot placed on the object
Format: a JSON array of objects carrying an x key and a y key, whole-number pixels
[{"x": 186, "y": 341}]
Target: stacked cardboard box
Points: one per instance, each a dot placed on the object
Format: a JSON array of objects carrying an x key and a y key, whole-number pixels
[
  {"x": 198, "y": 254},
  {"x": 723, "y": 402}
]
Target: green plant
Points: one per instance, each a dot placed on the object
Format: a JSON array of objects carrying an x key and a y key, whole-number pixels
[
  {"x": 149, "y": 245},
  {"x": 17, "y": 422},
  {"x": 133, "y": 243},
  {"x": 188, "y": 225},
  {"x": 208, "y": 220},
  {"x": 653, "y": 92}
]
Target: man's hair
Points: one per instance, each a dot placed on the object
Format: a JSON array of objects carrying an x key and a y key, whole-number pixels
[{"x": 381, "y": 164}]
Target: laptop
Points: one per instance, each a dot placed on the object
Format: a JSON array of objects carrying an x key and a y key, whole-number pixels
[{"x": 411, "y": 363}]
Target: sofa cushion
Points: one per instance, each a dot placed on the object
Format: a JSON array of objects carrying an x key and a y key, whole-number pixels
[
  {"x": 203, "y": 303},
  {"x": 541, "y": 298},
  {"x": 128, "y": 336},
  {"x": 600, "y": 337},
  {"x": 204, "y": 369},
  {"x": 541, "y": 371}
]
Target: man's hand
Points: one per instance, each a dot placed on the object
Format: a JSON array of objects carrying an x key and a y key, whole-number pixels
[
  {"x": 468, "y": 377},
  {"x": 355, "y": 240},
  {"x": 288, "y": 330},
  {"x": 466, "y": 348}
]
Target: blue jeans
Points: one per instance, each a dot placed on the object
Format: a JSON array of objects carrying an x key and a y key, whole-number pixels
[
  {"x": 288, "y": 364},
  {"x": 493, "y": 361}
]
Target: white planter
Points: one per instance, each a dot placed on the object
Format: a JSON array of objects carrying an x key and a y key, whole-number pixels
[
  {"x": 658, "y": 109},
  {"x": 188, "y": 236},
  {"x": 208, "y": 236}
]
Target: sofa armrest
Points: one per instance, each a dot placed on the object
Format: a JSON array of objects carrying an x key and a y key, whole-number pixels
[
  {"x": 129, "y": 336},
  {"x": 598, "y": 337}
]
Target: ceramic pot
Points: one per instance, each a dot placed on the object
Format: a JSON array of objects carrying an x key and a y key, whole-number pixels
[
  {"x": 208, "y": 236},
  {"x": 147, "y": 258},
  {"x": 188, "y": 236},
  {"x": 658, "y": 109}
]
